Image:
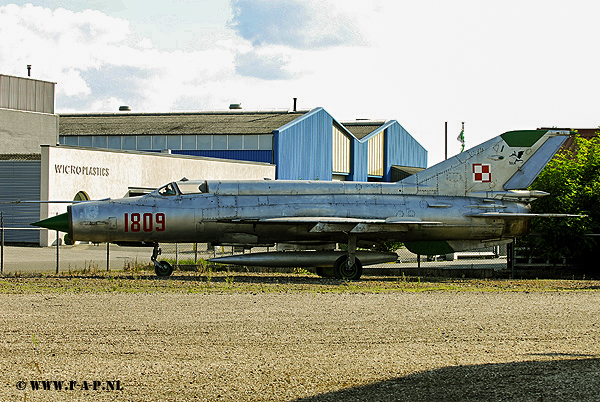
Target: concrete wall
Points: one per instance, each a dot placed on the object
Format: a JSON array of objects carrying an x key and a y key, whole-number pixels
[
  {"x": 107, "y": 173},
  {"x": 24, "y": 132}
]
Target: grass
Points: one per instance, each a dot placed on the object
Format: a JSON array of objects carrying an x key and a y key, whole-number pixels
[{"x": 143, "y": 280}]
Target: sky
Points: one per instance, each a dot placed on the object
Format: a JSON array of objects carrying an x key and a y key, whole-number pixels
[{"x": 494, "y": 65}]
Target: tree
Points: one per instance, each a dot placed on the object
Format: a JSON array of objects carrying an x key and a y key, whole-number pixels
[{"x": 573, "y": 181}]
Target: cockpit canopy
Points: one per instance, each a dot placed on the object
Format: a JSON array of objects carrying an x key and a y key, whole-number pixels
[
  {"x": 168, "y": 190},
  {"x": 183, "y": 188}
]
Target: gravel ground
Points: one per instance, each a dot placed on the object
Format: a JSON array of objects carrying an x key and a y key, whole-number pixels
[{"x": 307, "y": 346}]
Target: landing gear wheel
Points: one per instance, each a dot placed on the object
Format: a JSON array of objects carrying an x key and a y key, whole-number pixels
[
  {"x": 342, "y": 268},
  {"x": 163, "y": 268},
  {"x": 325, "y": 272}
]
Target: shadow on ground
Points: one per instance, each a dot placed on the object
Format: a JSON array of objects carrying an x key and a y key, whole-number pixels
[
  {"x": 557, "y": 380},
  {"x": 294, "y": 279}
]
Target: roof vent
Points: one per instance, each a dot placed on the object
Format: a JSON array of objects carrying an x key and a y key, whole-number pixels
[
  {"x": 124, "y": 109},
  {"x": 234, "y": 106}
]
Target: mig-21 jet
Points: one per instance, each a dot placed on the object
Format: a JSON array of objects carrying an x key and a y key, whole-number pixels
[{"x": 476, "y": 199}]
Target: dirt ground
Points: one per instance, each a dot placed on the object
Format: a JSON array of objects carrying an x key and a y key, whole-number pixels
[{"x": 300, "y": 346}]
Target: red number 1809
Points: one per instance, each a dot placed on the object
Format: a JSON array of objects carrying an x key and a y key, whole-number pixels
[{"x": 147, "y": 222}]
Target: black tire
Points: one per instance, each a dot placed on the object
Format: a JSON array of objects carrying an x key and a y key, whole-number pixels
[
  {"x": 342, "y": 270},
  {"x": 325, "y": 272},
  {"x": 163, "y": 268}
]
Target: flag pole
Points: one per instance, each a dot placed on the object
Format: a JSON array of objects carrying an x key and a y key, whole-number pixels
[{"x": 446, "y": 140}]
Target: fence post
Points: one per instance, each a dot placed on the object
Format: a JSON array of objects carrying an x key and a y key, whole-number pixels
[
  {"x": 510, "y": 257},
  {"x": 57, "y": 254},
  {"x": 107, "y": 256},
  {"x": 1, "y": 242}
]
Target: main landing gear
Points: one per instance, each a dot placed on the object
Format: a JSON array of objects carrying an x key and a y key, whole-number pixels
[
  {"x": 161, "y": 268},
  {"x": 346, "y": 267}
]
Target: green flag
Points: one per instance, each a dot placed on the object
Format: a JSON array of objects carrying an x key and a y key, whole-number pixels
[{"x": 461, "y": 138}]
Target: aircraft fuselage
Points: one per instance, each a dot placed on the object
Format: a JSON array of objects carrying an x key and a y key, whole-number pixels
[{"x": 289, "y": 215}]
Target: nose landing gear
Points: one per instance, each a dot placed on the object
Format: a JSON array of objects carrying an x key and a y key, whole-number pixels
[{"x": 161, "y": 268}]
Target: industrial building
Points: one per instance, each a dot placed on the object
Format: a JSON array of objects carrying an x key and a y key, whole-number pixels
[
  {"x": 303, "y": 145},
  {"x": 45, "y": 156}
]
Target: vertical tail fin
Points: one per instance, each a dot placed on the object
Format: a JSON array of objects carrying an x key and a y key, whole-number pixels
[{"x": 510, "y": 161}]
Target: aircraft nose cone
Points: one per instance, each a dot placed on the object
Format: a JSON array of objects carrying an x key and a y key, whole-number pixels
[{"x": 58, "y": 222}]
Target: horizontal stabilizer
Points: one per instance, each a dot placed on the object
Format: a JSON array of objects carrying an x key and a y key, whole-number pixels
[
  {"x": 522, "y": 215},
  {"x": 510, "y": 195}
]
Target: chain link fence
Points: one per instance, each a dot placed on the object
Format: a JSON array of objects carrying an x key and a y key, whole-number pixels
[
  {"x": 61, "y": 258},
  {"x": 485, "y": 263}
]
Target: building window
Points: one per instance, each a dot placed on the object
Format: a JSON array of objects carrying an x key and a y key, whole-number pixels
[
  {"x": 235, "y": 142},
  {"x": 71, "y": 141},
  {"x": 174, "y": 142},
  {"x": 265, "y": 142},
  {"x": 99, "y": 141},
  {"x": 219, "y": 142},
  {"x": 177, "y": 142},
  {"x": 204, "y": 142},
  {"x": 129, "y": 142},
  {"x": 159, "y": 142},
  {"x": 85, "y": 141},
  {"x": 251, "y": 142},
  {"x": 188, "y": 142},
  {"x": 144, "y": 142},
  {"x": 114, "y": 142}
]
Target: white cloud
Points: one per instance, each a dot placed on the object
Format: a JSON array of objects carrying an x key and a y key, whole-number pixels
[
  {"x": 496, "y": 66},
  {"x": 96, "y": 59},
  {"x": 263, "y": 64},
  {"x": 295, "y": 23}
]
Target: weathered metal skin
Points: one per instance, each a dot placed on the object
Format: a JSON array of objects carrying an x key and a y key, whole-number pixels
[
  {"x": 467, "y": 197},
  {"x": 472, "y": 200},
  {"x": 234, "y": 219}
]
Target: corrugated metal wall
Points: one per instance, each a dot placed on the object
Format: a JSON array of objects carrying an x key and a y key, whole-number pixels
[
  {"x": 402, "y": 149},
  {"x": 341, "y": 151},
  {"x": 20, "y": 180},
  {"x": 376, "y": 155},
  {"x": 398, "y": 148},
  {"x": 359, "y": 161},
  {"x": 26, "y": 94},
  {"x": 303, "y": 149}
]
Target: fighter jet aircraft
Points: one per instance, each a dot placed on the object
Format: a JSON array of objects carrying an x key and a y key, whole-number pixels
[{"x": 475, "y": 199}]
